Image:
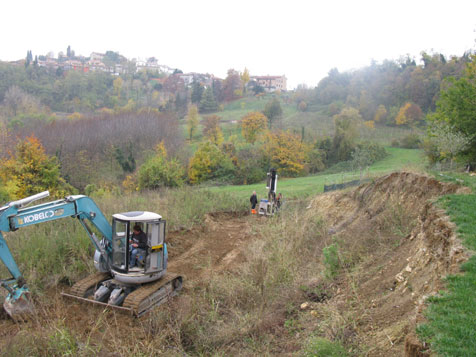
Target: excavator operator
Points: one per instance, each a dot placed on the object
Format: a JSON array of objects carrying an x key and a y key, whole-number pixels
[{"x": 139, "y": 241}]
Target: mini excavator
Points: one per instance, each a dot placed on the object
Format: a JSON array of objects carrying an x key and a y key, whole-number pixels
[{"x": 116, "y": 284}]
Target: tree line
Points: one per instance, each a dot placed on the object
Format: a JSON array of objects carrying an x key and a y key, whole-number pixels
[{"x": 392, "y": 93}]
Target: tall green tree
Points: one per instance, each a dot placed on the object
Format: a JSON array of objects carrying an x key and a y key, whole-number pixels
[
  {"x": 346, "y": 132},
  {"x": 273, "y": 111},
  {"x": 197, "y": 92},
  {"x": 208, "y": 103},
  {"x": 457, "y": 106}
]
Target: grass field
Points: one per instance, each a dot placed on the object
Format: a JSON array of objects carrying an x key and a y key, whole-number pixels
[
  {"x": 317, "y": 123},
  {"x": 451, "y": 315},
  {"x": 301, "y": 187}
]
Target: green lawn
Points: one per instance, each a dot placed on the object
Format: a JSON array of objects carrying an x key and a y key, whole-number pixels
[
  {"x": 301, "y": 187},
  {"x": 451, "y": 326}
]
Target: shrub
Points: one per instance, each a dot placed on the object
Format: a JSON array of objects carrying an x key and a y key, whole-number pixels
[
  {"x": 302, "y": 106},
  {"x": 395, "y": 143},
  {"x": 160, "y": 172},
  {"x": 411, "y": 141},
  {"x": 209, "y": 163},
  {"x": 375, "y": 151},
  {"x": 157, "y": 172},
  {"x": 251, "y": 166},
  {"x": 315, "y": 161}
]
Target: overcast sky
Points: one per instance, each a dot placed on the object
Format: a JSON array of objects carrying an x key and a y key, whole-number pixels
[{"x": 301, "y": 39}]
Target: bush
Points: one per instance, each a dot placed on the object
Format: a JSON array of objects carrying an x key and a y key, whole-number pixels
[
  {"x": 411, "y": 141},
  {"x": 321, "y": 347},
  {"x": 375, "y": 151},
  {"x": 395, "y": 143},
  {"x": 315, "y": 161},
  {"x": 158, "y": 172},
  {"x": 210, "y": 163},
  {"x": 251, "y": 166}
]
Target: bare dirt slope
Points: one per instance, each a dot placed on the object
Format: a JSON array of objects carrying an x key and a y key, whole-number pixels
[
  {"x": 404, "y": 246},
  {"x": 216, "y": 246}
]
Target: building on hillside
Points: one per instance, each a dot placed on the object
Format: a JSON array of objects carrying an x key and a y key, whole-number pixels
[
  {"x": 166, "y": 69},
  {"x": 187, "y": 78},
  {"x": 96, "y": 65},
  {"x": 75, "y": 66},
  {"x": 95, "y": 56},
  {"x": 48, "y": 63},
  {"x": 271, "y": 83},
  {"x": 203, "y": 78},
  {"x": 147, "y": 64}
]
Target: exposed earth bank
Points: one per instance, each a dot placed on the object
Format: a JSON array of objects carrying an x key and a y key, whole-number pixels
[{"x": 407, "y": 245}]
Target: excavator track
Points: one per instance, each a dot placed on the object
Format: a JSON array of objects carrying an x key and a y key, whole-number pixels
[
  {"x": 86, "y": 286},
  {"x": 153, "y": 294},
  {"x": 137, "y": 302}
]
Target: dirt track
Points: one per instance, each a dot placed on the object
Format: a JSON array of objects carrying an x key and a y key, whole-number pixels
[{"x": 215, "y": 247}]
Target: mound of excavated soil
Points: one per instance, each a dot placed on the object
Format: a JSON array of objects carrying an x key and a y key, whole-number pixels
[{"x": 403, "y": 246}]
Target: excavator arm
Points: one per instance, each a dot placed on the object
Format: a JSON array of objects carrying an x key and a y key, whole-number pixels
[{"x": 16, "y": 215}]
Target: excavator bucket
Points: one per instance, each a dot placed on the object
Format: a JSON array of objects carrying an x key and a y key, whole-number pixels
[{"x": 19, "y": 306}]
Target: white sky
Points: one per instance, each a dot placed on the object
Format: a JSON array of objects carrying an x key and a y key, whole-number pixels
[{"x": 301, "y": 39}]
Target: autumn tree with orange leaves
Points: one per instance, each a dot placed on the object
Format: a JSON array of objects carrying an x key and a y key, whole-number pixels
[
  {"x": 252, "y": 125},
  {"x": 30, "y": 170},
  {"x": 212, "y": 130},
  {"x": 408, "y": 114},
  {"x": 286, "y": 153}
]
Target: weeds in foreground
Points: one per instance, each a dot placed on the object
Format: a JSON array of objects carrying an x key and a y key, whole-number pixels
[
  {"x": 321, "y": 347},
  {"x": 331, "y": 260}
]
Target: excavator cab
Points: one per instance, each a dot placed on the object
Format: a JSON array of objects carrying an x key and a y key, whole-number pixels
[{"x": 153, "y": 258}]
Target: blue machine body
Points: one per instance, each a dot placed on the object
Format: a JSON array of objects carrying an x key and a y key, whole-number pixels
[{"x": 15, "y": 215}]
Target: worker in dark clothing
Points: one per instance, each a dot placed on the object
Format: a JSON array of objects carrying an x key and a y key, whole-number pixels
[
  {"x": 139, "y": 241},
  {"x": 279, "y": 201},
  {"x": 253, "y": 200}
]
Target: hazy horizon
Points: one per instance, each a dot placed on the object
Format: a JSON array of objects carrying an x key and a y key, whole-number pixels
[{"x": 301, "y": 40}]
